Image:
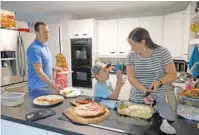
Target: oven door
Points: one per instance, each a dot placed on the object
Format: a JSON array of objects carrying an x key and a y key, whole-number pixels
[
  {"x": 81, "y": 77},
  {"x": 81, "y": 55}
]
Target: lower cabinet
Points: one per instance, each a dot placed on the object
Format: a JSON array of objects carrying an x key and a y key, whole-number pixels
[{"x": 12, "y": 128}]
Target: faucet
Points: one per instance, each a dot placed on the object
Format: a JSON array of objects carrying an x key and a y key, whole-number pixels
[{"x": 193, "y": 67}]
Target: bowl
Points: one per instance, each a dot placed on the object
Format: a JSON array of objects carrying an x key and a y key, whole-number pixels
[{"x": 12, "y": 98}]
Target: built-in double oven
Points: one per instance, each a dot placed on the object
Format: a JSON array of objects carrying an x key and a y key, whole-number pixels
[{"x": 81, "y": 62}]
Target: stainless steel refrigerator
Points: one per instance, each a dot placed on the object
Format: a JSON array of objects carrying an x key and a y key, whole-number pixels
[{"x": 13, "y": 47}]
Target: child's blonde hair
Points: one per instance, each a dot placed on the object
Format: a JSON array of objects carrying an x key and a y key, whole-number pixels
[{"x": 61, "y": 61}]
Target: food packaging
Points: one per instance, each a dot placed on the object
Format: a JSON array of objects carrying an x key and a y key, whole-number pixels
[{"x": 8, "y": 19}]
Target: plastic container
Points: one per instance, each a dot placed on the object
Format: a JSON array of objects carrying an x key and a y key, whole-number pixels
[{"x": 12, "y": 98}]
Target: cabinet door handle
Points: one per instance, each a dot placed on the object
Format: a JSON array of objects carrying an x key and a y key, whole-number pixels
[
  {"x": 76, "y": 34},
  {"x": 121, "y": 52},
  {"x": 84, "y": 34},
  {"x": 112, "y": 52}
]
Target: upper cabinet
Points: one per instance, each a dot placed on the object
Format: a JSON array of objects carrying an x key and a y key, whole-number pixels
[
  {"x": 154, "y": 25},
  {"x": 173, "y": 34},
  {"x": 107, "y": 38},
  {"x": 124, "y": 27},
  {"x": 81, "y": 28},
  {"x": 112, "y": 34}
]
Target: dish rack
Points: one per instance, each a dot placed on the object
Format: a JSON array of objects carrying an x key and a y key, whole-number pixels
[
  {"x": 188, "y": 108},
  {"x": 193, "y": 102}
]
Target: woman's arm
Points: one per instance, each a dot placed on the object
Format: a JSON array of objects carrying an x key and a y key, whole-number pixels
[
  {"x": 170, "y": 75},
  {"x": 132, "y": 78},
  {"x": 169, "y": 68}
]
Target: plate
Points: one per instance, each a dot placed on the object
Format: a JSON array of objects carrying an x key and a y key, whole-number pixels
[
  {"x": 50, "y": 98},
  {"x": 65, "y": 72},
  {"x": 70, "y": 92}
]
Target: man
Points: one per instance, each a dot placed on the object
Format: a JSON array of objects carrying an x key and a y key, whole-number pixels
[{"x": 40, "y": 61}]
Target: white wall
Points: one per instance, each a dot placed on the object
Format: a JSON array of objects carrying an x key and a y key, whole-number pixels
[{"x": 59, "y": 18}]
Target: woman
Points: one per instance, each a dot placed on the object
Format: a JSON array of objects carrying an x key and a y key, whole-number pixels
[{"x": 149, "y": 67}]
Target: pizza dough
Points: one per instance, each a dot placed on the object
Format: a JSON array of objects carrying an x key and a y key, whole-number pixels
[
  {"x": 89, "y": 110},
  {"x": 136, "y": 110}
]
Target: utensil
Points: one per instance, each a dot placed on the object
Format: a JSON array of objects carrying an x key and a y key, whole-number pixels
[
  {"x": 12, "y": 98},
  {"x": 109, "y": 128},
  {"x": 167, "y": 128},
  {"x": 148, "y": 92},
  {"x": 164, "y": 110}
]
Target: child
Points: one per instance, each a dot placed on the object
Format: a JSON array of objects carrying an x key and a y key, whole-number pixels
[
  {"x": 59, "y": 72},
  {"x": 103, "y": 88}
]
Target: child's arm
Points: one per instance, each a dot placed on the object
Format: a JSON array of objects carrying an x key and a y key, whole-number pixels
[
  {"x": 116, "y": 92},
  {"x": 118, "y": 87}
]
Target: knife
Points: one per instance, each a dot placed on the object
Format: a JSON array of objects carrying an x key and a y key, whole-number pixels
[
  {"x": 111, "y": 129},
  {"x": 148, "y": 92}
]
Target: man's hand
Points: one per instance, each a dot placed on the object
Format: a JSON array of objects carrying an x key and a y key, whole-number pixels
[{"x": 56, "y": 88}]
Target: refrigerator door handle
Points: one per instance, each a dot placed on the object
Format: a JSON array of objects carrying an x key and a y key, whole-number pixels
[
  {"x": 19, "y": 55},
  {"x": 16, "y": 86},
  {"x": 23, "y": 55}
]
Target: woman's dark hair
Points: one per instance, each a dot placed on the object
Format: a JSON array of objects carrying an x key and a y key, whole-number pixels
[{"x": 139, "y": 34}]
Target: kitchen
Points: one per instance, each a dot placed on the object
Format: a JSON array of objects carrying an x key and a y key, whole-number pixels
[{"x": 67, "y": 29}]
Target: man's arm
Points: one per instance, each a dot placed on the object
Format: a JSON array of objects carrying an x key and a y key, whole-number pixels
[
  {"x": 35, "y": 58},
  {"x": 41, "y": 74}
]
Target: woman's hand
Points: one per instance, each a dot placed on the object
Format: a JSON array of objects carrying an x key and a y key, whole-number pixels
[
  {"x": 155, "y": 85},
  {"x": 148, "y": 100}
]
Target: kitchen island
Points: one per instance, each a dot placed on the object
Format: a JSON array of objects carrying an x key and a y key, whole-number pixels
[{"x": 13, "y": 122}]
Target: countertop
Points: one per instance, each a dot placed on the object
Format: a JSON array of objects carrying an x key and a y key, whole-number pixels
[{"x": 16, "y": 114}]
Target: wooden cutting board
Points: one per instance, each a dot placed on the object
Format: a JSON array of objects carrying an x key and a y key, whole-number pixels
[{"x": 69, "y": 113}]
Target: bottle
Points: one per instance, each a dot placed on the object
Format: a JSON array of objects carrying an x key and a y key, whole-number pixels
[{"x": 190, "y": 84}]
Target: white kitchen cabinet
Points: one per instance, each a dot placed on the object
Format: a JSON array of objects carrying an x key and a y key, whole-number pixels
[
  {"x": 173, "y": 34},
  {"x": 107, "y": 38},
  {"x": 81, "y": 28},
  {"x": 53, "y": 133},
  {"x": 154, "y": 25},
  {"x": 125, "y": 26},
  {"x": 12, "y": 128}
]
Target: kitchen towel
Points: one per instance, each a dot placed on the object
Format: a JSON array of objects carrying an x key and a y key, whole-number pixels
[{"x": 193, "y": 59}]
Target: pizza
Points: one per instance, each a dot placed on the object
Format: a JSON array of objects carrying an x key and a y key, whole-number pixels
[
  {"x": 89, "y": 110},
  {"x": 85, "y": 101},
  {"x": 48, "y": 100}
]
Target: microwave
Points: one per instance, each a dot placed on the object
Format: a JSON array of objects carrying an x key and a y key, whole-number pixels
[{"x": 180, "y": 65}]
